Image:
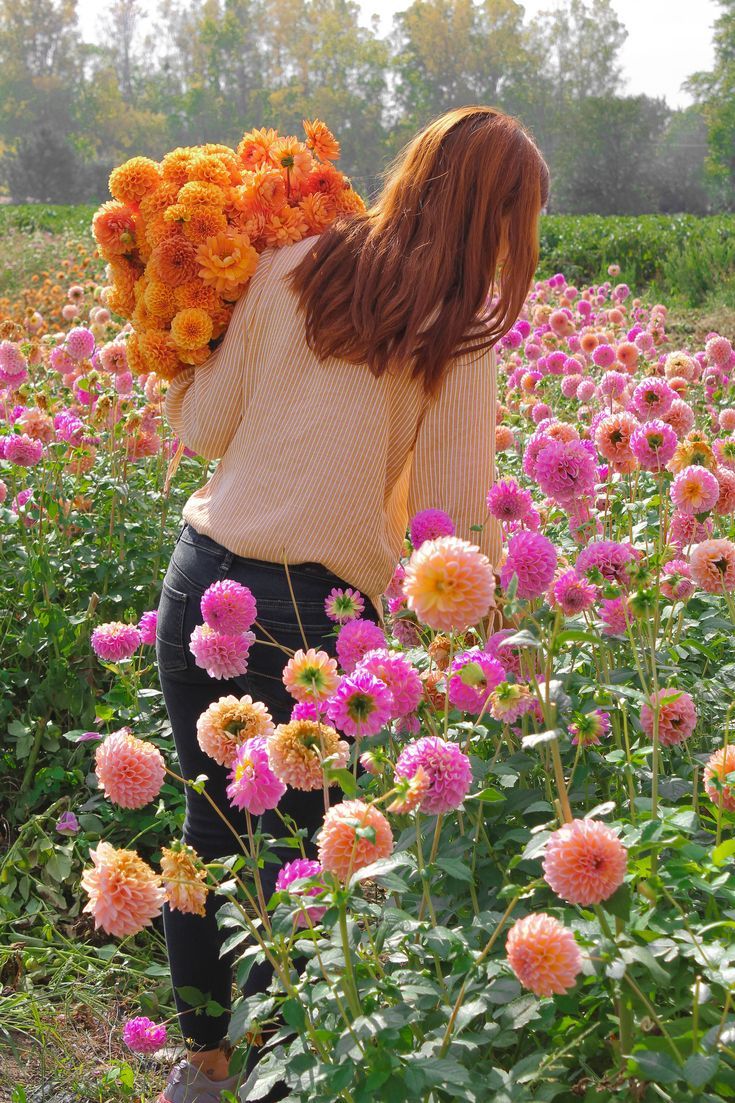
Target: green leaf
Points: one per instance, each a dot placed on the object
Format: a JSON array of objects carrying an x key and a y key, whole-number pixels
[
  {"x": 294, "y": 1014},
  {"x": 723, "y": 851},
  {"x": 343, "y": 778},
  {"x": 699, "y": 1069},
  {"x": 193, "y": 996},
  {"x": 455, "y": 868},
  {"x": 656, "y": 1067},
  {"x": 619, "y": 903}
]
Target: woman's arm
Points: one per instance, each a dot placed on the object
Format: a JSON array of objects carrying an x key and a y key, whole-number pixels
[{"x": 454, "y": 454}]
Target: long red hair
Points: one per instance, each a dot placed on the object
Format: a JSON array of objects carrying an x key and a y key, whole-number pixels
[{"x": 408, "y": 280}]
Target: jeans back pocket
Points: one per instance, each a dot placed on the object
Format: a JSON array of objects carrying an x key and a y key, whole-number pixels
[{"x": 171, "y": 647}]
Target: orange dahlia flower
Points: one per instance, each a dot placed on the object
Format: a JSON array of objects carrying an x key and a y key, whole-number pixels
[
  {"x": 286, "y": 227},
  {"x": 124, "y": 893},
  {"x": 191, "y": 328},
  {"x": 197, "y": 193},
  {"x": 183, "y": 875},
  {"x": 318, "y": 210},
  {"x": 341, "y": 850},
  {"x": 202, "y": 222},
  {"x": 256, "y": 146},
  {"x": 226, "y": 262},
  {"x": 174, "y": 261},
  {"x": 113, "y": 227},
  {"x": 294, "y": 158},
  {"x": 321, "y": 141},
  {"x": 196, "y": 293},
  {"x": 134, "y": 179},
  {"x": 159, "y": 300}
]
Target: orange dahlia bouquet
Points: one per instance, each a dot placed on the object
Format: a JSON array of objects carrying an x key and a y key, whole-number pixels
[{"x": 182, "y": 236}]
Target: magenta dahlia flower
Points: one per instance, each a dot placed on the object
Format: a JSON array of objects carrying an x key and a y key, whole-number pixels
[
  {"x": 220, "y": 654},
  {"x": 361, "y": 705},
  {"x": 573, "y": 593},
  {"x": 398, "y": 674},
  {"x": 566, "y": 471},
  {"x": 430, "y": 524},
  {"x": 355, "y": 639},
  {"x": 343, "y": 605},
  {"x": 652, "y": 398},
  {"x": 291, "y": 878},
  {"x": 653, "y": 445},
  {"x": 532, "y": 558},
  {"x": 141, "y": 1035},
  {"x": 80, "y": 343},
  {"x": 473, "y": 676},
  {"x": 608, "y": 557},
  {"x": 509, "y": 502},
  {"x": 23, "y": 451},
  {"x": 147, "y": 627},
  {"x": 253, "y": 786},
  {"x": 448, "y": 768},
  {"x": 115, "y": 641},
  {"x": 229, "y": 607}
]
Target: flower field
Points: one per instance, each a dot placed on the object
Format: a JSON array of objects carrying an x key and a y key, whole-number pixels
[{"x": 525, "y": 892}]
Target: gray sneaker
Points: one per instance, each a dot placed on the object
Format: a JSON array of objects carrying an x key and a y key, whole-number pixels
[{"x": 188, "y": 1084}]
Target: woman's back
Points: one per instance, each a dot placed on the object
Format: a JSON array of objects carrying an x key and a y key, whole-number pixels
[{"x": 323, "y": 458}]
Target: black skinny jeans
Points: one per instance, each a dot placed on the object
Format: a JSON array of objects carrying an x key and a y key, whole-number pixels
[{"x": 194, "y": 942}]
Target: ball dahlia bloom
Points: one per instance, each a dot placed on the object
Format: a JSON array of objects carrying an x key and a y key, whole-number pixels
[
  {"x": 115, "y": 641},
  {"x": 677, "y": 716},
  {"x": 449, "y": 584},
  {"x": 532, "y": 557},
  {"x": 125, "y": 894},
  {"x": 361, "y": 705},
  {"x": 572, "y": 593},
  {"x": 430, "y": 524},
  {"x": 686, "y": 530},
  {"x": 22, "y": 450},
  {"x": 566, "y": 471},
  {"x": 342, "y": 605},
  {"x": 130, "y": 771},
  {"x": 289, "y": 876},
  {"x": 229, "y": 607},
  {"x": 297, "y": 751},
  {"x": 584, "y": 862},
  {"x": 220, "y": 654},
  {"x": 147, "y": 627},
  {"x": 448, "y": 768},
  {"x": 719, "y": 766},
  {"x": 80, "y": 343},
  {"x": 509, "y": 502},
  {"x": 610, "y": 558},
  {"x": 695, "y": 491},
  {"x": 676, "y": 580},
  {"x": 253, "y": 785},
  {"x": 142, "y": 1035},
  {"x": 543, "y": 954},
  {"x": 589, "y": 728},
  {"x": 397, "y": 673},
  {"x": 612, "y": 438},
  {"x": 653, "y": 397},
  {"x": 712, "y": 564},
  {"x": 355, "y": 639},
  {"x": 474, "y": 674},
  {"x": 341, "y": 850},
  {"x": 228, "y": 723},
  {"x": 311, "y": 675},
  {"x": 653, "y": 445},
  {"x": 184, "y": 875}
]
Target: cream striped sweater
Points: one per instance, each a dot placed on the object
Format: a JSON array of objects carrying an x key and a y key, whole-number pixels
[{"x": 319, "y": 460}]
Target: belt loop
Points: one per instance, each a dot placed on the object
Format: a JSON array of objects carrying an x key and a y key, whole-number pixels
[{"x": 227, "y": 561}]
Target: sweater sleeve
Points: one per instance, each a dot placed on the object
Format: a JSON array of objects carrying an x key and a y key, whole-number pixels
[{"x": 453, "y": 463}]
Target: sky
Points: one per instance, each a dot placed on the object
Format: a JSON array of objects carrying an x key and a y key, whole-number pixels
[{"x": 668, "y": 40}]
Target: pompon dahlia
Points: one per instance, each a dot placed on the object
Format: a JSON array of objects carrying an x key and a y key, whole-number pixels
[
  {"x": 343, "y": 605},
  {"x": 361, "y": 705},
  {"x": 228, "y": 723},
  {"x": 302, "y": 869},
  {"x": 449, "y": 770},
  {"x": 589, "y": 728},
  {"x": 653, "y": 445},
  {"x": 509, "y": 657},
  {"x": 147, "y": 627},
  {"x": 80, "y": 343},
  {"x": 130, "y": 770},
  {"x": 297, "y": 750},
  {"x": 474, "y": 675},
  {"x": 677, "y": 716},
  {"x": 653, "y": 397},
  {"x": 449, "y": 584},
  {"x": 229, "y": 607},
  {"x": 719, "y": 766},
  {"x": 613, "y": 436},
  {"x": 676, "y": 580},
  {"x": 686, "y": 530},
  {"x": 142, "y": 1035},
  {"x": 572, "y": 593},
  {"x": 543, "y": 955},
  {"x": 253, "y": 786},
  {"x": 566, "y": 471},
  {"x": 608, "y": 557},
  {"x": 184, "y": 878},
  {"x": 397, "y": 673},
  {"x": 585, "y": 862},
  {"x": 125, "y": 894},
  {"x": 695, "y": 490},
  {"x": 616, "y": 615},
  {"x": 311, "y": 675},
  {"x": 511, "y": 700},
  {"x": 115, "y": 641},
  {"x": 221, "y": 655},
  {"x": 430, "y": 524},
  {"x": 22, "y": 450},
  {"x": 341, "y": 850},
  {"x": 509, "y": 502},
  {"x": 532, "y": 558},
  {"x": 355, "y": 639},
  {"x": 712, "y": 564}
]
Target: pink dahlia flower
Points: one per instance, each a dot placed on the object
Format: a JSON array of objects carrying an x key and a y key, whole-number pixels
[
  {"x": 585, "y": 862},
  {"x": 725, "y": 504},
  {"x": 508, "y": 502},
  {"x": 566, "y": 471},
  {"x": 80, "y": 343},
  {"x": 532, "y": 557},
  {"x": 449, "y": 584},
  {"x": 720, "y": 766},
  {"x": 430, "y": 524},
  {"x": 341, "y": 850},
  {"x": 474, "y": 675},
  {"x": 695, "y": 491},
  {"x": 676, "y": 580},
  {"x": 23, "y": 451},
  {"x": 397, "y": 673},
  {"x": 13, "y": 365},
  {"x": 300, "y": 870},
  {"x": 221, "y": 655},
  {"x": 573, "y": 594},
  {"x": 115, "y": 641},
  {"x": 686, "y": 530},
  {"x": 543, "y": 955},
  {"x": 610, "y": 558},
  {"x": 130, "y": 770},
  {"x": 718, "y": 350},
  {"x": 604, "y": 356},
  {"x": 448, "y": 768},
  {"x": 677, "y": 716},
  {"x": 616, "y": 615},
  {"x": 125, "y": 894},
  {"x": 508, "y": 657},
  {"x": 653, "y": 445},
  {"x": 712, "y": 564},
  {"x": 362, "y": 704},
  {"x": 680, "y": 417},
  {"x": 253, "y": 786},
  {"x": 355, "y": 639},
  {"x": 343, "y": 605},
  {"x": 613, "y": 384},
  {"x": 147, "y": 627},
  {"x": 141, "y": 1035},
  {"x": 653, "y": 397},
  {"x": 228, "y": 607},
  {"x": 589, "y": 728}
]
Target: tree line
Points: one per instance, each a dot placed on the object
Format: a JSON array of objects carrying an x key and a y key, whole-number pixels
[{"x": 206, "y": 70}]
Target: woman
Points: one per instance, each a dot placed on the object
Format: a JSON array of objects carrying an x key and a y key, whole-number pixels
[{"x": 354, "y": 387}]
